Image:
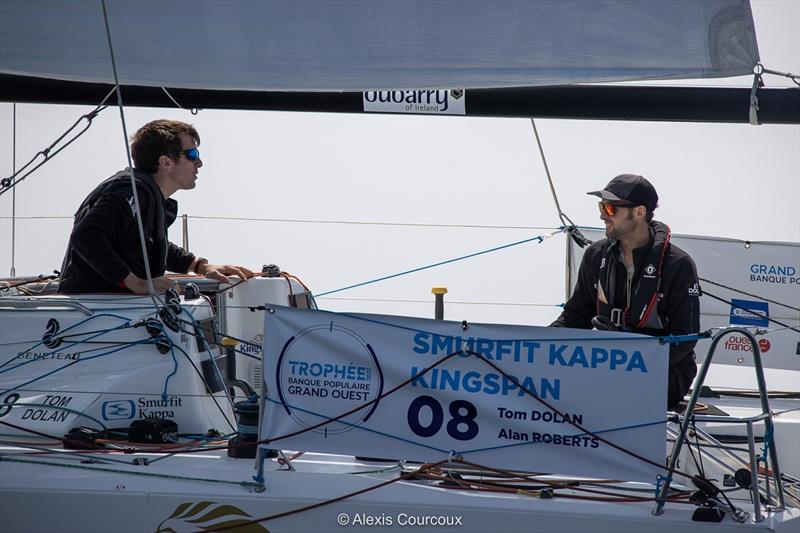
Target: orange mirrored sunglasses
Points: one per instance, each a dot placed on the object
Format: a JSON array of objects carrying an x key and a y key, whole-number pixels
[{"x": 611, "y": 209}]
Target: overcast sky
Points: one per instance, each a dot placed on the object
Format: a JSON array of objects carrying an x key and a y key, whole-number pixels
[{"x": 736, "y": 181}]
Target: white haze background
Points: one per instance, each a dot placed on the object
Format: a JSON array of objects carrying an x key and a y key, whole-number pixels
[{"x": 736, "y": 181}]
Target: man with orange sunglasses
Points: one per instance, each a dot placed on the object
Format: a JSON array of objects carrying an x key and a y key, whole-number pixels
[{"x": 636, "y": 280}]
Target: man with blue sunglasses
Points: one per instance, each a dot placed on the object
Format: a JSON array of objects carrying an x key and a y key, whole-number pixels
[{"x": 104, "y": 254}]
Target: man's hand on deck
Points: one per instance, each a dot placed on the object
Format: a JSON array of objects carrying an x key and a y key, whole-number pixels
[
  {"x": 139, "y": 285},
  {"x": 221, "y": 272}
]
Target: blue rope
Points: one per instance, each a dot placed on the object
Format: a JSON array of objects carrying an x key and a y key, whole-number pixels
[
  {"x": 659, "y": 480},
  {"x": 174, "y": 368},
  {"x": 677, "y": 339},
  {"x": 767, "y": 443},
  {"x": 145, "y": 341},
  {"x": 539, "y": 238},
  {"x": 67, "y": 344},
  {"x": 126, "y": 324}
]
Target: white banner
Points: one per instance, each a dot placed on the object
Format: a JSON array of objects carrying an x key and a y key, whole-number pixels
[
  {"x": 755, "y": 278},
  {"x": 320, "y": 365}
]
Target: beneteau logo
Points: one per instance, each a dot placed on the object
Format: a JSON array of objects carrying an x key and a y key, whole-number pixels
[
  {"x": 210, "y": 516},
  {"x": 49, "y": 338}
]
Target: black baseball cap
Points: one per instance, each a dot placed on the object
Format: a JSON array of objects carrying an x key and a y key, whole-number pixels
[{"x": 630, "y": 188}]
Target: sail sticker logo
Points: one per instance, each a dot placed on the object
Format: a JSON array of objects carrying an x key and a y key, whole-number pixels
[
  {"x": 118, "y": 410},
  {"x": 741, "y": 343},
  {"x": 324, "y": 371},
  {"x": 649, "y": 270},
  {"x": 779, "y": 274},
  {"x": 420, "y": 101},
  {"x": 749, "y": 313},
  {"x": 49, "y": 338}
]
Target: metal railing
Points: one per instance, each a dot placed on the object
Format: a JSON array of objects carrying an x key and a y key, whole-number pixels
[{"x": 764, "y": 417}]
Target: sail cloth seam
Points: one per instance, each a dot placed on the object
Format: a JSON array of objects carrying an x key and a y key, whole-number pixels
[{"x": 539, "y": 238}]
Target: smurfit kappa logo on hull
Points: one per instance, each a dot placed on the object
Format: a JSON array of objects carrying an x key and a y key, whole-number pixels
[
  {"x": 418, "y": 101},
  {"x": 119, "y": 410}
]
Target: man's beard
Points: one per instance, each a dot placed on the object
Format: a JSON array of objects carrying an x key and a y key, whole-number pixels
[{"x": 617, "y": 230}]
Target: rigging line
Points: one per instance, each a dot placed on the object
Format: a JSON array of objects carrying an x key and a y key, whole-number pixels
[
  {"x": 794, "y": 77},
  {"x": 358, "y": 426},
  {"x": 193, "y": 110},
  {"x": 58, "y": 369},
  {"x": 105, "y": 345},
  {"x": 46, "y": 339},
  {"x": 411, "y": 474},
  {"x": 130, "y": 472},
  {"x": 42, "y": 217},
  {"x": 118, "y": 89},
  {"x": 12, "y": 181},
  {"x": 205, "y": 383},
  {"x": 539, "y": 238},
  {"x": 632, "y": 337},
  {"x": 207, "y": 347},
  {"x": 749, "y": 294},
  {"x": 564, "y": 218},
  {"x": 61, "y": 408},
  {"x": 368, "y": 223},
  {"x": 14, "y": 192},
  {"x": 751, "y": 311},
  {"x": 401, "y": 300}
]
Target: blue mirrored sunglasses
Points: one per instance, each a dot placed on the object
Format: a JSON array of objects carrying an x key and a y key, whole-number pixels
[{"x": 192, "y": 154}]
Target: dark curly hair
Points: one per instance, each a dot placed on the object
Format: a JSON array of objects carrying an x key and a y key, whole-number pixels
[{"x": 158, "y": 138}]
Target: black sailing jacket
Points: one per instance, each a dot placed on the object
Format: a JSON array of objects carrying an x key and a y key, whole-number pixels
[
  {"x": 678, "y": 302},
  {"x": 105, "y": 247}
]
